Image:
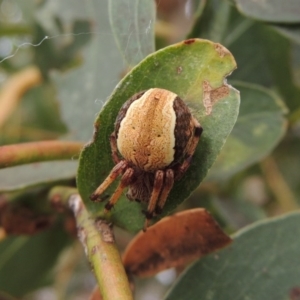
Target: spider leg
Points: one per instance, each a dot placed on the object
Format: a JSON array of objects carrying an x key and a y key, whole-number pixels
[
  {"x": 157, "y": 186},
  {"x": 126, "y": 180},
  {"x": 114, "y": 148},
  {"x": 114, "y": 173},
  {"x": 190, "y": 151},
  {"x": 168, "y": 184}
]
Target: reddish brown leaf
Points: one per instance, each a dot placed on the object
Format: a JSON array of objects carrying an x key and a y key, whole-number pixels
[
  {"x": 295, "y": 293},
  {"x": 173, "y": 242},
  {"x": 20, "y": 220}
]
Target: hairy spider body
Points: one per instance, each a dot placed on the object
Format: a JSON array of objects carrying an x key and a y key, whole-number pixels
[{"x": 152, "y": 145}]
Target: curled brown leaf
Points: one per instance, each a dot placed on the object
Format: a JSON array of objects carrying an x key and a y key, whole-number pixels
[{"x": 174, "y": 241}]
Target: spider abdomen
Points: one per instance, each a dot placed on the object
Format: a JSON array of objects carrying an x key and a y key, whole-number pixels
[{"x": 154, "y": 130}]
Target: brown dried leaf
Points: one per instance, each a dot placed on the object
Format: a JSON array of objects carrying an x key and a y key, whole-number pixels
[
  {"x": 173, "y": 242},
  {"x": 20, "y": 220}
]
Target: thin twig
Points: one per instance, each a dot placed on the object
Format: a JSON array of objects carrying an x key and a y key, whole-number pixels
[
  {"x": 18, "y": 154},
  {"x": 278, "y": 185},
  {"x": 97, "y": 239},
  {"x": 14, "y": 88}
]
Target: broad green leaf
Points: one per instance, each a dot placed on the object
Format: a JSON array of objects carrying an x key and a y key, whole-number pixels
[
  {"x": 181, "y": 68},
  {"x": 83, "y": 90},
  {"x": 213, "y": 21},
  {"x": 132, "y": 22},
  {"x": 32, "y": 174},
  {"x": 198, "y": 11},
  {"x": 248, "y": 49},
  {"x": 261, "y": 53},
  {"x": 287, "y": 159},
  {"x": 264, "y": 57},
  {"x": 259, "y": 128},
  {"x": 261, "y": 263},
  {"x": 276, "y": 11},
  {"x": 278, "y": 52},
  {"x": 25, "y": 261},
  {"x": 237, "y": 212},
  {"x": 221, "y": 22}
]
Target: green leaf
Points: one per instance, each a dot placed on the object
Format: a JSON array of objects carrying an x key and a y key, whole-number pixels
[
  {"x": 241, "y": 36},
  {"x": 288, "y": 160},
  {"x": 248, "y": 49},
  {"x": 264, "y": 57},
  {"x": 261, "y": 263},
  {"x": 279, "y": 11},
  {"x": 213, "y": 21},
  {"x": 236, "y": 211},
  {"x": 86, "y": 88},
  {"x": 181, "y": 68},
  {"x": 132, "y": 23},
  {"x": 278, "y": 53},
  {"x": 259, "y": 128},
  {"x": 221, "y": 22},
  {"x": 199, "y": 12},
  {"x": 32, "y": 174},
  {"x": 25, "y": 262}
]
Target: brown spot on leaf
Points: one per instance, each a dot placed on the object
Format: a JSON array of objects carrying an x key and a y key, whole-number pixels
[
  {"x": 295, "y": 293},
  {"x": 188, "y": 42},
  {"x": 222, "y": 51},
  {"x": 173, "y": 242},
  {"x": 95, "y": 134},
  {"x": 212, "y": 96},
  {"x": 179, "y": 70}
]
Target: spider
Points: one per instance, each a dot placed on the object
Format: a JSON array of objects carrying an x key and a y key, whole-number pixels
[{"x": 152, "y": 145}]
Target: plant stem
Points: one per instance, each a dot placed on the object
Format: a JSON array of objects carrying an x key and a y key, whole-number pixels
[
  {"x": 278, "y": 185},
  {"x": 6, "y": 30},
  {"x": 20, "y": 154},
  {"x": 14, "y": 88},
  {"x": 98, "y": 242}
]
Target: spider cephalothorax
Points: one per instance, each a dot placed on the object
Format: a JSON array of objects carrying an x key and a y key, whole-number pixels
[{"x": 152, "y": 145}]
